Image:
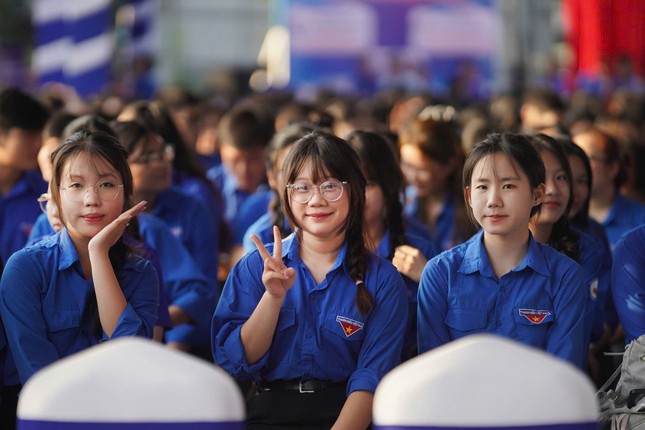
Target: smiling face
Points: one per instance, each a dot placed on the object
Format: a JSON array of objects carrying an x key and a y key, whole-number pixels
[
  {"x": 85, "y": 218},
  {"x": 558, "y": 190},
  {"x": 501, "y": 196},
  {"x": 319, "y": 217}
]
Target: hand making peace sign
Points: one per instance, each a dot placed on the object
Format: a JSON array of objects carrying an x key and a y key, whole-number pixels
[{"x": 277, "y": 278}]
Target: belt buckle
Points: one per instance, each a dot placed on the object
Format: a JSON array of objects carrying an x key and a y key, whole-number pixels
[{"x": 302, "y": 390}]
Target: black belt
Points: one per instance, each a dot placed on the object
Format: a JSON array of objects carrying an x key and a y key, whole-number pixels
[{"x": 302, "y": 386}]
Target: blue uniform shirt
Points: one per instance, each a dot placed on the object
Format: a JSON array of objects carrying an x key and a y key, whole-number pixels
[
  {"x": 624, "y": 215},
  {"x": 18, "y": 212},
  {"x": 233, "y": 197},
  {"x": 43, "y": 296},
  {"x": 190, "y": 222},
  {"x": 320, "y": 333},
  {"x": 595, "y": 262},
  {"x": 43, "y": 230},
  {"x": 428, "y": 250},
  {"x": 202, "y": 190},
  {"x": 184, "y": 282},
  {"x": 627, "y": 282},
  {"x": 262, "y": 228},
  {"x": 445, "y": 226},
  {"x": 540, "y": 303},
  {"x": 256, "y": 205}
]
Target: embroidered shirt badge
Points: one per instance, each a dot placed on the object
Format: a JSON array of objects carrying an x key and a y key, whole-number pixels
[
  {"x": 349, "y": 326},
  {"x": 535, "y": 316}
]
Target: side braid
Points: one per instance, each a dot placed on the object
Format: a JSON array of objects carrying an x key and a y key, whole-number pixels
[{"x": 357, "y": 267}]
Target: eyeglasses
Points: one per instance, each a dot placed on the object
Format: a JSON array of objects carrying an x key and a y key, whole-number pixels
[
  {"x": 42, "y": 202},
  {"x": 165, "y": 153},
  {"x": 412, "y": 171},
  {"x": 107, "y": 191},
  {"x": 331, "y": 191}
]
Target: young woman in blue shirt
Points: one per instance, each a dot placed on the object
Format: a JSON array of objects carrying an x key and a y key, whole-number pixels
[
  {"x": 84, "y": 285},
  {"x": 389, "y": 235},
  {"x": 186, "y": 219},
  {"x": 315, "y": 320},
  {"x": 552, "y": 227},
  {"x": 503, "y": 281}
]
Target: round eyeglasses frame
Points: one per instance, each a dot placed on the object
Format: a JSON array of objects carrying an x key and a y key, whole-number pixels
[
  {"x": 320, "y": 190},
  {"x": 80, "y": 196}
]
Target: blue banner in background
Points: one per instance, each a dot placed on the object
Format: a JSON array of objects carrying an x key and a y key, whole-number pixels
[
  {"x": 446, "y": 47},
  {"x": 74, "y": 43}
]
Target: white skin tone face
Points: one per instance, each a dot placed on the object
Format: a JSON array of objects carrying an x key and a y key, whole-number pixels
[
  {"x": 19, "y": 148},
  {"x": 557, "y": 193},
  {"x": 154, "y": 176},
  {"x": 318, "y": 217},
  {"x": 44, "y": 161},
  {"x": 603, "y": 172},
  {"x": 428, "y": 176},
  {"x": 52, "y": 215},
  {"x": 501, "y": 197},
  {"x": 87, "y": 218},
  {"x": 246, "y": 165},
  {"x": 580, "y": 184},
  {"x": 374, "y": 207}
]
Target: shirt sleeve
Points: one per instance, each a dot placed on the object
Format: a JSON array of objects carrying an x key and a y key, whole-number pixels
[
  {"x": 383, "y": 343},
  {"x": 432, "y": 307},
  {"x": 566, "y": 336},
  {"x": 241, "y": 294},
  {"x": 141, "y": 289},
  {"x": 22, "y": 316},
  {"x": 203, "y": 243},
  {"x": 627, "y": 287}
]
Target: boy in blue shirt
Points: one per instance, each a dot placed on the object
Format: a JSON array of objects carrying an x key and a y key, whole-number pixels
[{"x": 22, "y": 119}]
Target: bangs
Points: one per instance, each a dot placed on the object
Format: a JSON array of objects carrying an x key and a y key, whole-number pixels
[{"x": 93, "y": 162}]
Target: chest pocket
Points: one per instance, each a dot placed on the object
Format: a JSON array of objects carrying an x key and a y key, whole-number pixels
[
  {"x": 465, "y": 321},
  {"x": 533, "y": 325},
  {"x": 342, "y": 338},
  {"x": 61, "y": 319}
]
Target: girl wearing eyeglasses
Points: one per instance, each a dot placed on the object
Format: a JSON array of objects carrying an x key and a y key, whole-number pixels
[
  {"x": 431, "y": 161},
  {"x": 83, "y": 285},
  {"x": 315, "y": 320},
  {"x": 187, "y": 219}
]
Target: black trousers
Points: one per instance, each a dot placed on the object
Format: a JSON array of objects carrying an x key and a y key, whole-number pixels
[
  {"x": 8, "y": 405},
  {"x": 276, "y": 410}
]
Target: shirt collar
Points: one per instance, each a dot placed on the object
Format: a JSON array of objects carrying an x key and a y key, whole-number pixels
[
  {"x": 476, "y": 258},
  {"x": 291, "y": 252},
  {"x": 68, "y": 255}
]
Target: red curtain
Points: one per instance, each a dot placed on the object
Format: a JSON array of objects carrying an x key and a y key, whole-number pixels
[{"x": 603, "y": 30}]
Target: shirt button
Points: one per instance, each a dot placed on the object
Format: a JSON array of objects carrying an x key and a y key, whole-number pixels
[{"x": 498, "y": 324}]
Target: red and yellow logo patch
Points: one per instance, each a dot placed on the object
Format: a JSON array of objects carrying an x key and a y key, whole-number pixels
[
  {"x": 349, "y": 325},
  {"x": 535, "y": 316}
]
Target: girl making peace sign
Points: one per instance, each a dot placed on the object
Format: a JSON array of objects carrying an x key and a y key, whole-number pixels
[{"x": 315, "y": 320}]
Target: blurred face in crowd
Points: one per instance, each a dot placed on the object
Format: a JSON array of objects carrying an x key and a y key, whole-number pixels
[{"x": 246, "y": 165}]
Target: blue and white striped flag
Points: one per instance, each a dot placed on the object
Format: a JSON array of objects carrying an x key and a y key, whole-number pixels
[{"x": 74, "y": 43}]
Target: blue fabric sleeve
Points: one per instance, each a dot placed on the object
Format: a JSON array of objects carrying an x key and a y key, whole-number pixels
[
  {"x": 21, "y": 309},
  {"x": 566, "y": 336},
  {"x": 628, "y": 289},
  {"x": 141, "y": 289},
  {"x": 432, "y": 306},
  {"x": 241, "y": 294},
  {"x": 383, "y": 343}
]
